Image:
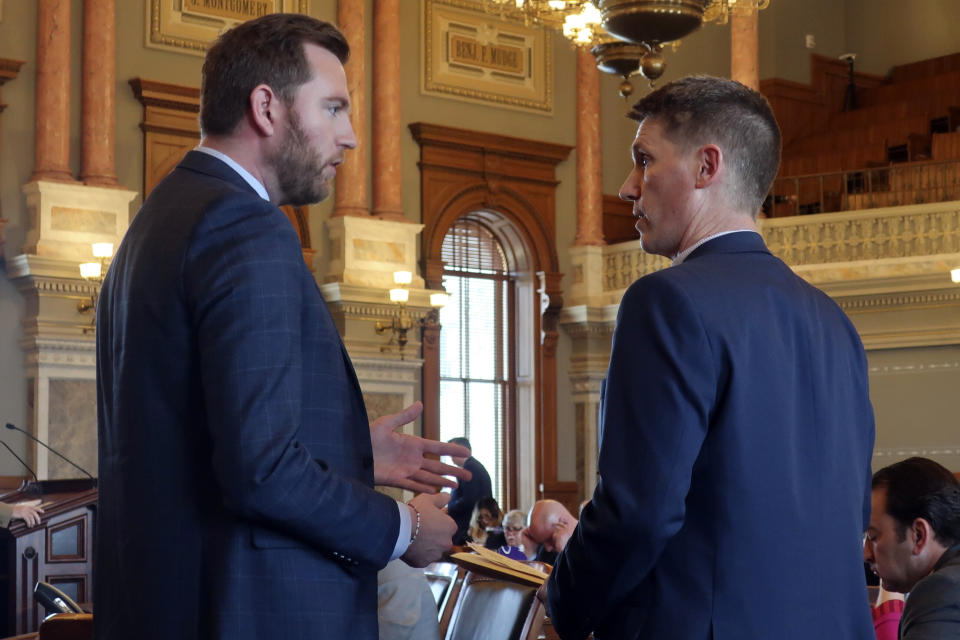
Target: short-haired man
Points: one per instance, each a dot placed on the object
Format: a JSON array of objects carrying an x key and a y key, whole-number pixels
[
  {"x": 465, "y": 497},
  {"x": 237, "y": 465},
  {"x": 913, "y": 544},
  {"x": 736, "y": 423}
]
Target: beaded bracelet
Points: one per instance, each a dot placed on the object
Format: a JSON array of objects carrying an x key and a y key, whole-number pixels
[{"x": 416, "y": 530}]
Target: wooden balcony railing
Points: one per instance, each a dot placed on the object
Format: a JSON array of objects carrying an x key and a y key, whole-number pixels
[{"x": 887, "y": 186}]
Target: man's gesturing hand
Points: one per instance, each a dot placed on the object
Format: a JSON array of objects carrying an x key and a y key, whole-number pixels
[
  {"x": 436, "y": 530},
  {"x": 399, "y": 460}
]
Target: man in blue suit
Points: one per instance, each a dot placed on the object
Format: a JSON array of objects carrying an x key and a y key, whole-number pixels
[
  {"x": 734, "y": 468},
  {"x": 237, "y": 465}
]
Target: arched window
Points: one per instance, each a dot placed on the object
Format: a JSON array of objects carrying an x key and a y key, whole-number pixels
[{"x": 477, "y": 350}]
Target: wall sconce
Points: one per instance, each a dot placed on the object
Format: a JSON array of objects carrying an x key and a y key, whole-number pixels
[
  {"x": 955, "y": 275},
  {"x": 94, "y": 272},
  {"x": 401, "y": 322}
]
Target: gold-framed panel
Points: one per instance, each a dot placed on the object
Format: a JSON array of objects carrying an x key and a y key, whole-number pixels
[
  {"x": 473, "y": 56},
  {"x": 190, "y": 26}
]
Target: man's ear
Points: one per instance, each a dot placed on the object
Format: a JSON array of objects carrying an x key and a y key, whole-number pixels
[
  {"x": 264, "y": 109},
  {"x": 709, "y": 160},
  {"x": 922, "y": 534}
]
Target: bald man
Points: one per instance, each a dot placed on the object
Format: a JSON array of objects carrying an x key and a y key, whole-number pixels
[{"x": 551, "y": 525}]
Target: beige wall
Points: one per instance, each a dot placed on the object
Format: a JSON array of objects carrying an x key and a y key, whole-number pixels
[
  {"x": 885, "y": 33},
  {"x": 914, "y": 393},
  {"x": 783, "y": 30}
]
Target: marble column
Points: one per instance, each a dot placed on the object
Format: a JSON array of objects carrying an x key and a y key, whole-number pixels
[
  {"x": 53, "y": 92},
  {"x": 589, "y": 160},
  {"x": 350, "y": 196},
  {"x": 387, "y": 125},
  {"x": 97, "y": 165},
  {"x": 745, "y": 45}
]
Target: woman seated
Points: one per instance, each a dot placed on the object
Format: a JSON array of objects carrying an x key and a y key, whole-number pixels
[
  {"x": 514, "y": 522},
  {"x": 485, "y": 526}
]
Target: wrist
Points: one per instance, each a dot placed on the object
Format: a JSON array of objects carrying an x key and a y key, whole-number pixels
[{"x": 415, "y": 521}]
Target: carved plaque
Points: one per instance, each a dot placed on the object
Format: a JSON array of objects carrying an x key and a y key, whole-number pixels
[
  {"x": 478, "y": 57},
  {"x": 189, "y": 26}
]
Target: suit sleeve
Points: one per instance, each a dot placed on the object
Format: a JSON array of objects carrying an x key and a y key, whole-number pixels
[
  {"x": 243, "y": 284},
  {"x": 660, "y": 389},
  {"x": 933, "y": 609}
]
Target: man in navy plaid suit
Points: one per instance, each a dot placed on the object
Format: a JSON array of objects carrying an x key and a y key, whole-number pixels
[{"x": 236, "y": 461}]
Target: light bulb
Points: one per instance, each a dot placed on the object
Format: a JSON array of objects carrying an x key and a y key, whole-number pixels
[
  {"x": 90, "y": 270},
  {"x": 102, "y": 249}
]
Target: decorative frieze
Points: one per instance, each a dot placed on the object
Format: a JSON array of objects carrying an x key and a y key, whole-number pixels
[
  {"x": 830, "y": 247},
  {"x": 873, "y": 234}
]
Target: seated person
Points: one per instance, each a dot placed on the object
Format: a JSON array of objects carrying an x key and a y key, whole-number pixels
[
  {"x": 886, "y": 614},
  {"x": 29, "y": 512},
  {"x": 406, "y": 609},
  {"x": 913, "y": 544},
  {"x": 551, "y": 525},
  {"x": 485, "y": 526},
  {"x": 514, "y": 522}
]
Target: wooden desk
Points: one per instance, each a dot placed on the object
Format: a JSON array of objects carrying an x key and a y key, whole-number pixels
[{"x": 59, "y": 550}]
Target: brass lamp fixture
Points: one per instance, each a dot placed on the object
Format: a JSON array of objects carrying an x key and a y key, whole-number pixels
[
  {"x": 93, "y": 272},
  {"x": 401, "y": 323},
  {"x": 625, "y": 36},
  {"x": 955, "y": 275}
]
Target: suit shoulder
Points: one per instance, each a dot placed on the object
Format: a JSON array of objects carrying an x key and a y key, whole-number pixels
[{"x": 940, "y": 590}]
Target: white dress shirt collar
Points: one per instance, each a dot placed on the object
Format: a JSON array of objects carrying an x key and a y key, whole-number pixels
[
  {"x": 246, "y": 175},
  {"x": 680, "y": 257}
]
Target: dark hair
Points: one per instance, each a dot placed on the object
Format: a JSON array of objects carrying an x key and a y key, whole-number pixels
[
  {"x": 463, "y": 442},
  {"x": 921, "y": 488},
  {"x": 267, "y": 50},
  {"x": 700, "y": 110},
  {"x": 490, "y": 504}
]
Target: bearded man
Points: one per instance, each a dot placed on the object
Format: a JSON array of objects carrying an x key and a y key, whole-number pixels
[{"x": 237, "y": 464}]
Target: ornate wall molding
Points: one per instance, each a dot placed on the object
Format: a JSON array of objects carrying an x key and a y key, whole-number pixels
[
  {"x": 472, "y": 56},
  {"x": 190, "y": 26},
  {"x": 849, "y": 245},
  {"x": 872, "y": 234},
  {"x": 895, "y": 369},
  {"x": 932, "y": 451},
  {"x": 76, "y": 354}
]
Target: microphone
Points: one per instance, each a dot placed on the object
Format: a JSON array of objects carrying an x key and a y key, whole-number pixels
[
  {"x": 49, "y": 448},
  {"x": 25, "y": 465}
]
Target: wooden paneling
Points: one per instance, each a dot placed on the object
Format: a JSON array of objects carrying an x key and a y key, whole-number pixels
[
  {"x": 946, "y": 146},
  {"x": 618, "y": 220},
  {"x": 925, "y": 68},
  {"x": 803, "y": 110},
  {"x": 34, "y": 554}
]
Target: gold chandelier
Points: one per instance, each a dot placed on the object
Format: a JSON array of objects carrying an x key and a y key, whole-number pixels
[{"x": 625, "y": 36}]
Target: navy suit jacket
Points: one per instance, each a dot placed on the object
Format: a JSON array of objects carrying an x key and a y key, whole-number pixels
[
  {"x": 465, "y": 496},
  {"x": 236, "y": 470},
  {"x": 734, "y": 469}
]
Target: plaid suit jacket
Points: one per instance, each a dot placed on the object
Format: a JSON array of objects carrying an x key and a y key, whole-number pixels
[{"x": 236, "y": 471}]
